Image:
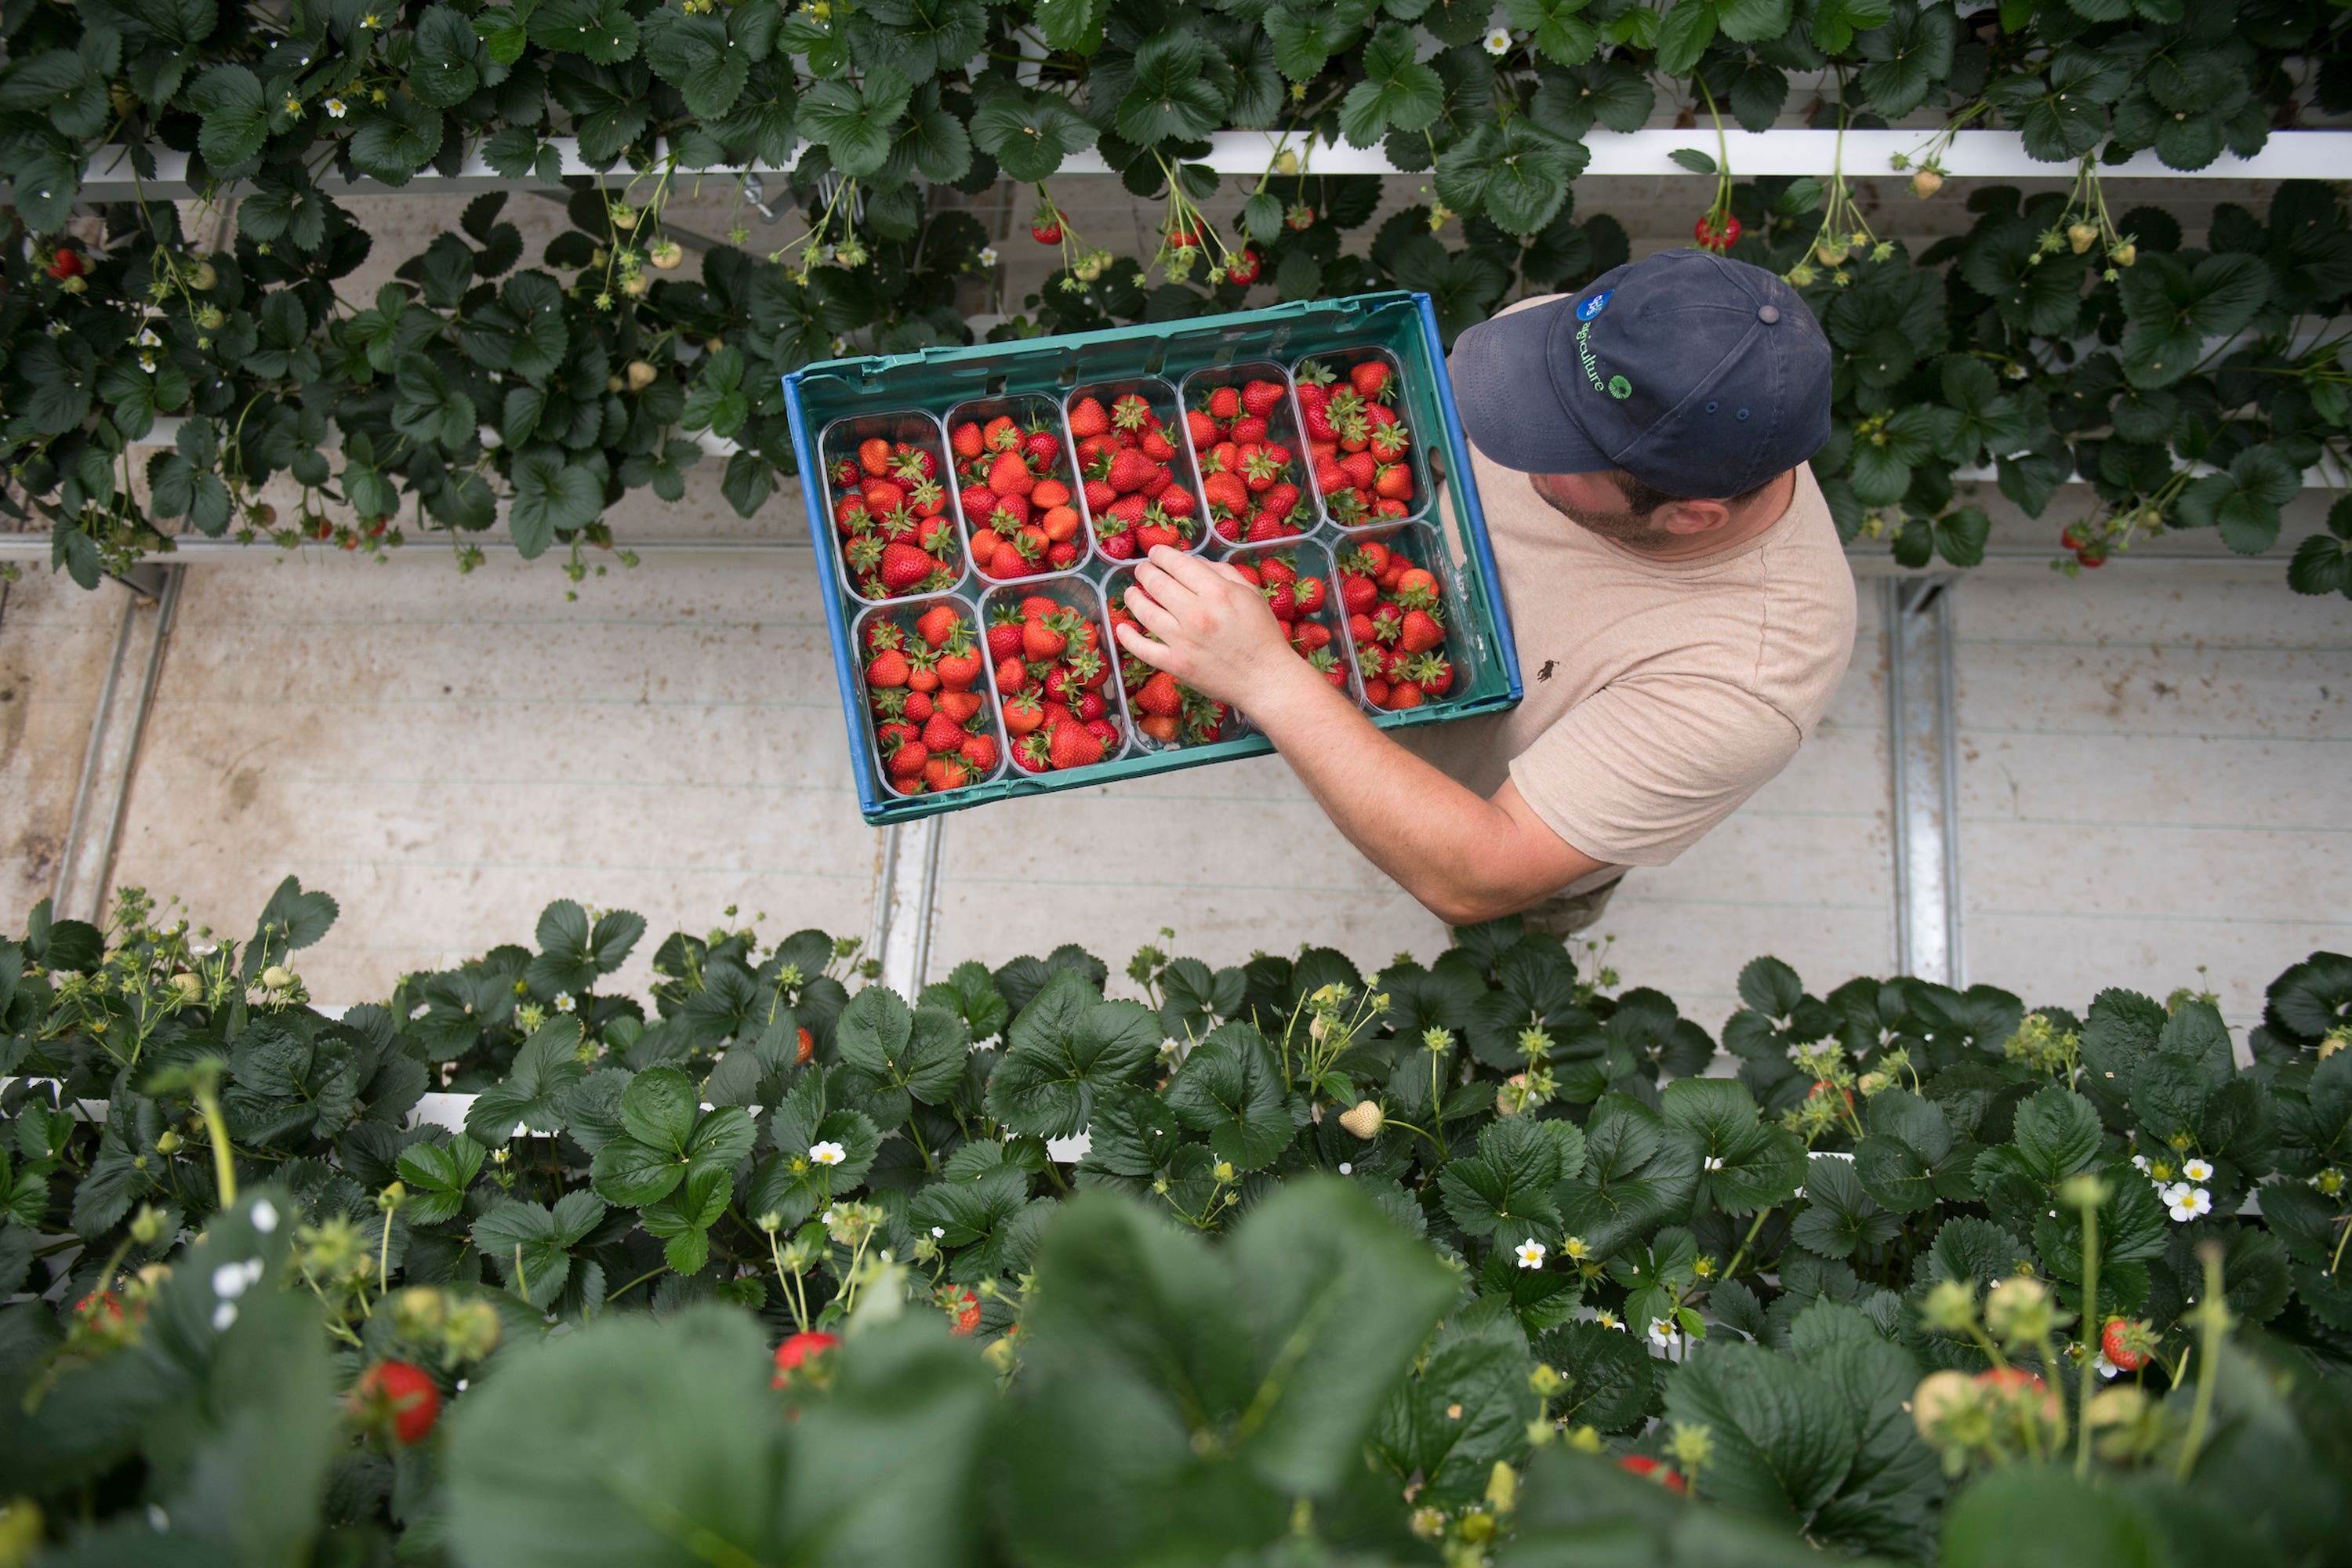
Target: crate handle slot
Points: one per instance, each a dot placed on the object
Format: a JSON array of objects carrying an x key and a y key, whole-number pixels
[
  {"x": 1158, "y": 360},
  {"x": 996, "y": 384}
]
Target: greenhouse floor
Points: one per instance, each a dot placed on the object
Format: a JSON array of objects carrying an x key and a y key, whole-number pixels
[{"x": 2149, "y": 772}]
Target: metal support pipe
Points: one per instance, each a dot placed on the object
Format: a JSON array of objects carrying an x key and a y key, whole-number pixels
[
  {"x": 110, "y": 759},
  {"x": 906, "y": 880},
  {"x": 1922, "y": 777}
]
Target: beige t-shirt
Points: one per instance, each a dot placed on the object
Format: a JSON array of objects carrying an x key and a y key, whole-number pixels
[{"x": 1659, "y": 694}]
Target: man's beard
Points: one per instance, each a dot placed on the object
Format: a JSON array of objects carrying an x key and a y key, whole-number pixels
[{"x": 1625, "y": 528}]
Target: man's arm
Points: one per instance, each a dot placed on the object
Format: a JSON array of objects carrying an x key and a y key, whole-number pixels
[{"x": 1464, "y": 858}]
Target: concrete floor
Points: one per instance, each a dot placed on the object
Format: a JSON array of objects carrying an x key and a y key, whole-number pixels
[{"x": 2152, "y": 767}]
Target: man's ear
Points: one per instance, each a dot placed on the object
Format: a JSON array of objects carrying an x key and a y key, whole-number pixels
[{"x": 1691, "y": 517}]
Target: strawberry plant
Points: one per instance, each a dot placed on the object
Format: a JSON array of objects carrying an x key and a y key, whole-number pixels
[
  {"x": 481, "y": 385},
  {"x": 922, "y": 675},
  {"x": 889, "y": 508},
  {"x": 1013, "y": 485},
  {"x": 1465, "y": 1261},
  {"x": 1137, "y": 485}
]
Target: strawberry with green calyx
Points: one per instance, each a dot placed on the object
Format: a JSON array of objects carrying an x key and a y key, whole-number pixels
[
  {"x": 1370, "y": 379},
  {"x": 397, "y": 1398},
  {"x": 874, "y": 457},
  {"x": 2127, "y": 1343},
  {"x": 1130, "y": 413}
]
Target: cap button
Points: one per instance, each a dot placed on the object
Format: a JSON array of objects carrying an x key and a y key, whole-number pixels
[{"x": 1768, "y": 314}]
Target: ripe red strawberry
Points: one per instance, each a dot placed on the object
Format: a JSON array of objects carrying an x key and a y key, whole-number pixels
[
  {"x": 1009, "y": 476},
  {"x": 1281, "y": 601},
  {"x": 1073, "y": 745},
  {"x": 1106, "y": 732},
  {"x": 1125, "y": 512},
  {"x": 1089, "y": 706},
  {"x": 1261, "y": 397},
  {"x": 937, "y": 623},
  {"x": 1087, "y": 418},
  {"x": 959, "y": 705},
  {"x": 1243, "y": 268},
  {"x": 1004, "y": 639},
  {"x": 942, "y": 733},
  {"x": 1315, "y": 418},
  {"x": 2115, "y": 1342},
  {"x": 1131, "y": 470},
  {"x": 907, "y": 762},
  {"x": 1308, "y": 635},
  {"x": 1419, "y": 632},
  {"x": 1433, "y": 673},
  {"x": 958, "y": 669},
  {"x": 905, "y": 567},
  {"x": 1155, "y": 444},
  {"x": 1011, "y": 676},
  {"x": 1224, "y": 403},
  {"x": 1360, "y": 468},
  {"x": 1118, "y": 546},
  {"x": 1371, "y": 379},
  {"x": 1129, "y": 411},
  {"x": 1226, "y": 491},
  {"x": 874, "y": 457},
  {"x": 1043, "y": 637},
  {"x": 1178, "y": 503},
  {"x": 846, "y": 473},
  {"x": 1046, "y": 233},
  {"x": 1394, "y": 483},
  {"x": 1310, "y": 592},
  {"x": 1063, "y": 556},
  {"x": 849, "y": 512},
  {"x": 1203, "y": 428},
  {"x": 1324, "y": 662},
  {"x": 400, "y": 1394},
  {"x": 1268, "y": 526},
  {"x": 886, "y": 670},
  {"x": 965, "y": 438},
  {"x": 1043, "y": 448},
  {"x": 980, "y": 751}
]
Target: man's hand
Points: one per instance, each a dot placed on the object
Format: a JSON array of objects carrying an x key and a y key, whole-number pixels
[{"x": 1216, "y": 633}]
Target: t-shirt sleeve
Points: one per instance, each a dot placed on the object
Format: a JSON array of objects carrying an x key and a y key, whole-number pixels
[{"x": 1640, "y": 770}]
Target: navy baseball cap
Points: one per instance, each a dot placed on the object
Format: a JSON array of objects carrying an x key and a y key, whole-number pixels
[{"x": 1700, "y": 376}]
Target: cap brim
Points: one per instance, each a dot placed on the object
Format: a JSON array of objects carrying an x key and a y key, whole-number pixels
[{"x": 1511, "y": 406}]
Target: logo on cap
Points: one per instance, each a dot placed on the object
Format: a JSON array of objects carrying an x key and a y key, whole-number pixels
[
  {"x": 1620, "y": 387},
  {"x": 1588, "y": 309}
]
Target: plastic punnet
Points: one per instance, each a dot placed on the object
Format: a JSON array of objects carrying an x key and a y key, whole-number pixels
[
  {"x": 840, "y": 441},
  {"x": 1076, "y": 592},
  {"x": 1424, "y": 546},
  {"x": 1409, "y": 401},
  {"x": 1026, "y": 411},
  {"x": 1161, "y": 399},
  {"x": 903, "y": 614},
  {"x": 1311, "y": 558},
  {"x": 1282, "y": 428},
  {"x": 1116, "y": 587}
]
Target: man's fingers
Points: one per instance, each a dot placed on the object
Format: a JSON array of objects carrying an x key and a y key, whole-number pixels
[
  {"x": 1159, "y": 586},
  {"x": 1133, "y": 640},
  {"x": 1186, "y": 568},
  {"x": 1156, "y": 617}
]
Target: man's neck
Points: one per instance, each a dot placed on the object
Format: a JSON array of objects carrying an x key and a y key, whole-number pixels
[{"x": 1747, "y": 521}]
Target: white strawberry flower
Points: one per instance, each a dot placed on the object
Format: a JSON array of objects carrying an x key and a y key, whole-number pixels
[
  {"x": 1665, "y": 1336},
  {"x": 1531, "y": 1253},
  {"x": 939, "y": 1233},
  {"x": 148, "y": 340},
  {"x": 827, "y": 1153},
  {"x": 337, "y": 108},
  {"x": 1347, "y": 1168},
  {"x": 1498, "y": 41},
  {"x": 2188, "y": 1203},
  {"x": 264, "y": 1216},
  {"x": 987, "y": 257},
  {"x": 224, "y": 1315},
  {"x": 2139, "y": 1164},
  {"x": 2197, "y": 1170},
  {"x": 56, "y": 329},
  {"x": 1610, "y": 1321},
  {"x": 2106, "y": 1368},
  {"x": 564, "y": 1002},
  {"x": 1714, "y": 1162}
]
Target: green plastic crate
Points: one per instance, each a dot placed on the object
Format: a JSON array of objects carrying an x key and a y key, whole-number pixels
[{"x": 885, "y": 390}]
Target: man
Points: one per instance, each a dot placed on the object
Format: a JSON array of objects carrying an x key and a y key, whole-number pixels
[{"x": 1682, "y": 608}]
